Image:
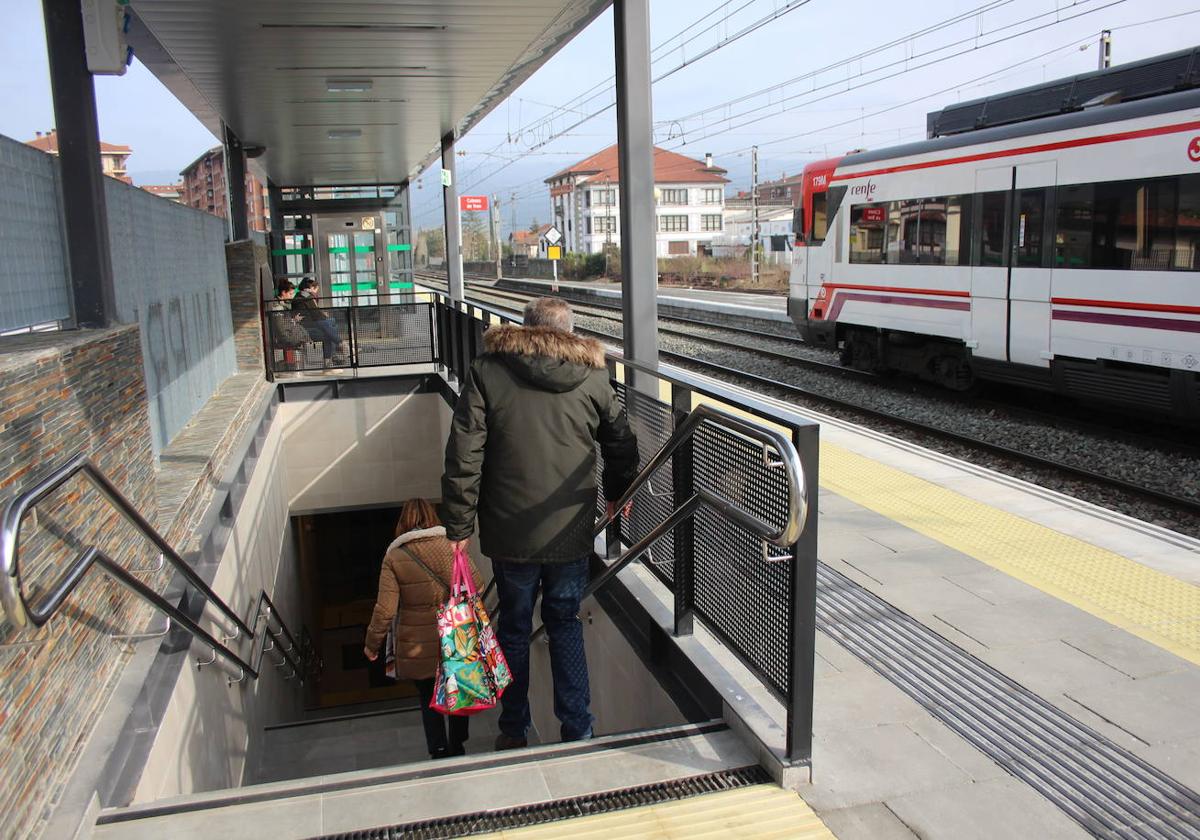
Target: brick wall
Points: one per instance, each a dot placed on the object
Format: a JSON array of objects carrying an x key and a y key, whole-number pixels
[
  {"x": 62, "y": 394},
  {"x": 249, "y": 277}
]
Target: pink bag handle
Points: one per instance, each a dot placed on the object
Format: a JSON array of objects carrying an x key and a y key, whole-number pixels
[{"x": 461, "y": 579}]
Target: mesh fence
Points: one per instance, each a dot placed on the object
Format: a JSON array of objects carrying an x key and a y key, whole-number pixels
[
  {"x": 397, "y": 334},
  {"x": 651, "y": 422},
  {"x": 344, "y": 336}
]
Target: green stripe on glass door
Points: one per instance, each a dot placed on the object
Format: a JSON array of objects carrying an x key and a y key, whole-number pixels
[
  {"x": 292, "y": 252},
  {"x": 404, "y": 246}
]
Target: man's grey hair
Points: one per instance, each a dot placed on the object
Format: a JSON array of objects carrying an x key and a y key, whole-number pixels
[{"x": 554, "y": 313}]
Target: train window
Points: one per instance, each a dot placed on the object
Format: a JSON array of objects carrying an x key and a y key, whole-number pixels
[
  {"x": 1029, "y": 228},
  {"x": 866, "y": 232},
  {"x": 991, "y": 228},
  {"x": 903, "y": 232},
  {"x": 1151, "y": 225},
  {"x": 820, "y": 221}
]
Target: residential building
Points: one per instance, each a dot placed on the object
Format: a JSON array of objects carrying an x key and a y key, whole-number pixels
[
  {"x": 784, "y": 192},
  {"x": 774, "y": 233},
  {"x": 204, "y": 189},
  {"x": 689, "y": 197},
  {"x": 529, "y": 243},
  {"x": 112, "y": 157},
  {"x": 171, "y": 192}
]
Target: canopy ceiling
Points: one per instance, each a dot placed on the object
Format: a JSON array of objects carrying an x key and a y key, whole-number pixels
[{"x": 343, "y": 91}]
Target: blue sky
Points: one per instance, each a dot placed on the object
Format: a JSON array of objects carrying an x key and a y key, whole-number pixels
[{"x": 875, "y": 101}]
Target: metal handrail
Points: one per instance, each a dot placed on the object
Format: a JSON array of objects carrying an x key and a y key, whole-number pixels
[
  {"x": 789, "y": 461},
  {"x": 22, "y": 613}
]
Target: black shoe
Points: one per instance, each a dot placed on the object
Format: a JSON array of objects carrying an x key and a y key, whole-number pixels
[
  {"x": 508, "y": 742},
  {"x": 456, "y": 750}
]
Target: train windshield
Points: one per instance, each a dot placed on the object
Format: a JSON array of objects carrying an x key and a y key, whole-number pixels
[{"x": 798, "y": 224}]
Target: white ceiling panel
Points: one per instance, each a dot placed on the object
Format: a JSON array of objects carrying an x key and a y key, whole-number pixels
[{"x": 266, "y": 68}]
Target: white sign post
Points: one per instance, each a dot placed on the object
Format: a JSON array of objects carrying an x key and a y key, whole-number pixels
[{"x": 554, "y": 251}]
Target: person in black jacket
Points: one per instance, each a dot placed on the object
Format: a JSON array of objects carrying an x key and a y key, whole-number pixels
[
  {"x": 316, "y": 320},
  {"x": 521, "y": 456}
]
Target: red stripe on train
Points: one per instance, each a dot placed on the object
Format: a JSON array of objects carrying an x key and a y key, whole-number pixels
[{"x": 1026, "y": 150}]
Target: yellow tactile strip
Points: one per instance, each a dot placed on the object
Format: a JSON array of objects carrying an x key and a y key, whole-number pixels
[
  {"x": 1143, "y": 601},
  {"x": 760, "y": 811}
]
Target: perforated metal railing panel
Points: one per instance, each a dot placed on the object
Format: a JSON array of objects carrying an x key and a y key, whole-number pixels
[
  {"x": 742, "y": 597},
  {"x": 651, "y": 422}
]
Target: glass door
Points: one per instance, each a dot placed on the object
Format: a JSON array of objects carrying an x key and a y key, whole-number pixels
[{"x": 352, "y": 265}]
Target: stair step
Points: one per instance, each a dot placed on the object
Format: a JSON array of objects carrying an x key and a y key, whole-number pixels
[{"x": 428, "y": 790}]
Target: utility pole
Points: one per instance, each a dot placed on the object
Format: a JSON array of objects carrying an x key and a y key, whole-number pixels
[
  {"x": 496, "y": 236},
  {"x": 1105, "y": 49},
  {"x": 754, "y": 214}
]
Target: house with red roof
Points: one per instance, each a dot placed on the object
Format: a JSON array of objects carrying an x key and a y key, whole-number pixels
[
  {"x": 689, "y": 198},
  {"x": 112, "y": 157}
]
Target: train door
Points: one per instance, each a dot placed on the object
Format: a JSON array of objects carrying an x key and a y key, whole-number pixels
[
  {"x": 1031, "y": 256},
  {"x": 990, "y": 264},
  {"x": 351, "y": 258}
]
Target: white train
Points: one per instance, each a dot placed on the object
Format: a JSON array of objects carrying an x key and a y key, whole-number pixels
[{"x": 1049, "y": 237}]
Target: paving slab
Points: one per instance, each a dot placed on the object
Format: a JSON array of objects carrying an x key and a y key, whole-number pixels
[
  {"x": 859, "y": 699},
  {"x": 1156, "y": 709},
  {"x": 860, "y": 766},
  {"x": 867, "y": 822},
  {"x": 1180, "y": 759},
  {"x": 997, "y": 809},
  {"x": 1053, "y": 666},
  {"x": 1041, "y": 618},
  {"x": 993, "y": 586},
  {"x": 1128, "y": 654}
]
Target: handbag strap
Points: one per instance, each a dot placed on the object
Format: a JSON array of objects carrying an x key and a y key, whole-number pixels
[{"x": 428, "y": 570}]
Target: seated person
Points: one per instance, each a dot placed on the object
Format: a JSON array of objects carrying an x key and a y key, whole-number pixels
[
  {"x": 316, "y": 320},
  {"x": 286, "y": 334}
]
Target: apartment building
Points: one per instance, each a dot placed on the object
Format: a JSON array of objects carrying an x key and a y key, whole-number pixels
[
  {"x": 204, "y": 189},
  {"x": 689, "y": 196}
]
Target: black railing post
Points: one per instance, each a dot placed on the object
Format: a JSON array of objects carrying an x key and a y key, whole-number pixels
[
  {"x": 683, "y": 480},
  {"x": 612, "y": 534},
  {"x": 803, "y": 606},
  {"x": 351, "y": 317}
]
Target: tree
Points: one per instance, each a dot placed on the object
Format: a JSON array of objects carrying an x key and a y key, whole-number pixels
[{"x": 534, "y": 226}]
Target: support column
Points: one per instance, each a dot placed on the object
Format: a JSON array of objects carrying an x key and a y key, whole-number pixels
[
  {"x": 235, "y": 187},
  {"x": 275, "y": 239},
  {"x": 454, "y": 263},
  {"x": 635, "y": 150},
  {"x": 88, "y": 251}
]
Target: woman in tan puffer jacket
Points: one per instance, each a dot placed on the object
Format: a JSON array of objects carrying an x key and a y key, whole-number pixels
[{"x": 413, "y": 585}]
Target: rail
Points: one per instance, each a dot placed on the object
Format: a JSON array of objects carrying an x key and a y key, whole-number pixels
[
  {"x": 782, "y": 536},
  {"x": 22, "y": 613}
]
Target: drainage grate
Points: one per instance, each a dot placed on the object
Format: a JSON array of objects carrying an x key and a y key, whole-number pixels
[
  {"x": 1106, "y": 789},
  {"x": 483, "y": 822}
]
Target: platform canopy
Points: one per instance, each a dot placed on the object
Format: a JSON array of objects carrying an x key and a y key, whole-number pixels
[{"x": 348, "y": 91}]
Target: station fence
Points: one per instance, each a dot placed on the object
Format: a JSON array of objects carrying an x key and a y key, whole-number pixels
[{"x": 760, "y": 604}]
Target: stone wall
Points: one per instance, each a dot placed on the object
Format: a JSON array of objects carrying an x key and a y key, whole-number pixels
[
  {"x": 249, "y": 280},
  {"x": 62, "y": 394}
]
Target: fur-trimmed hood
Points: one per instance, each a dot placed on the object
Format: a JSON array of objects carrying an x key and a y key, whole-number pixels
[
  {"x": 551, "y": 359},
  {"x": 417, "y": 534}
]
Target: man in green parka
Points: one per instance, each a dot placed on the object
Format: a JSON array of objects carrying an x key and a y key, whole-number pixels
[{"x": 521, "y": 457}]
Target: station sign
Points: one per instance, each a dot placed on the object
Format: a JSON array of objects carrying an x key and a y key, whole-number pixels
[
  {"x": 472, "y": 203},
  {"x": 873, "y": 214}
]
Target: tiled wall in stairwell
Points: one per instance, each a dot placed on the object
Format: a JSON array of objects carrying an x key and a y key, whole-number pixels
[
  {"x": 249, "y": 280},
  {"x": 63, "y": 394}
]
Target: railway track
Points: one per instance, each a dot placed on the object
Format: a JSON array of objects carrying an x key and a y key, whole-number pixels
[{"x": 1180, "y": 505}]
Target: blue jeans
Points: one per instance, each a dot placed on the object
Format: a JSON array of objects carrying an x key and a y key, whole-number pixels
[
  {"x": 562, "y": 586},
  {"x": 326, "y": 332}
]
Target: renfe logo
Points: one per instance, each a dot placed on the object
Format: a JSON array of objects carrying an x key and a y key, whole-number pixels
[
  {"x": 1194, "y": 150},
  {"x": 866, "y": 190}
]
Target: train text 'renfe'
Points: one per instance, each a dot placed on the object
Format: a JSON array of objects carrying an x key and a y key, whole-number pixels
[{"x": 865, "y": 191}]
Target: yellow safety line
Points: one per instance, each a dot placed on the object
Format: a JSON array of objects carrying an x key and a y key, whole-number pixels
[
  {"x": 760, "y": 811},
  {"x": 1143, "y": 601}
]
